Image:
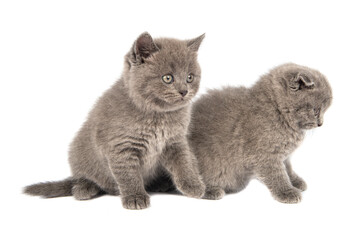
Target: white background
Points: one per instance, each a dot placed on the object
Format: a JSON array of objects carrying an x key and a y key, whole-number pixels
[{"x": 57, "y": 57}]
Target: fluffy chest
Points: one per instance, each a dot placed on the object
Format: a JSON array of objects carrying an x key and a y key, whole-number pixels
[
  {"x": 284, "y": 144},
  {"x": 158, "y": 132},
  {"x": 156, "y": 139}
]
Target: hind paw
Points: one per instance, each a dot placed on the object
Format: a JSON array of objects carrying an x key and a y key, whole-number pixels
[
  {"x": 299, "y": 184},
  {"x": 85, "y": 190},
  {"x": 214, "y": 194}
]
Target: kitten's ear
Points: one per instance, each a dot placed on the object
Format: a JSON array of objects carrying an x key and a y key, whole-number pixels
[
  {"x": 194, "y": 44},
  {"x": 299, "y": 81},
  {"x": 144, "y": 46}
]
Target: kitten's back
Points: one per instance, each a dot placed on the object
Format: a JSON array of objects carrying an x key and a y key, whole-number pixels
[{"x": 211, "y": 108}]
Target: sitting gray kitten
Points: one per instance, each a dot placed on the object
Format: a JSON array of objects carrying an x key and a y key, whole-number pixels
[
  {"x": 137, "y": 129},
  {"x": 240, "y": 133}
]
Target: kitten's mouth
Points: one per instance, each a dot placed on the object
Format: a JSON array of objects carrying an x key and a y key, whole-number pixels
[
  {"x": 174, "y": 103},
  {"x": 179, "y": 100},
  {"x": 182, "y": 100}
]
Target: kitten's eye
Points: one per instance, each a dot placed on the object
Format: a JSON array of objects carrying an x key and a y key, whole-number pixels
[
  {"x": 190, "y": 78},
  {"x": 168, "y": 78}
]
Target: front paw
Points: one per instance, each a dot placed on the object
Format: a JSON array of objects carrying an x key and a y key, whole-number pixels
[
  {"x": 291, "y": 195},
  {"x": 214, "y": 194},
  {"x": 194, "y": 188},
  {"x": 136, "y": 201},
  {"x": 299, "y": 184}
]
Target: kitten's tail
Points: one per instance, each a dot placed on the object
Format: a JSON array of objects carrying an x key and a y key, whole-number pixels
[{"x": 51, "y": 189}]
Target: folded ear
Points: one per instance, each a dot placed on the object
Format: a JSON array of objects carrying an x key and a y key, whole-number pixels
[
  {"x": 144, "y": 46},
  {"x": 194, "y": 44},
  {"x": 300, "y": 81}
]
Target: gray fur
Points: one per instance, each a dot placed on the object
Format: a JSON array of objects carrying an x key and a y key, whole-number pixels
[
  {"x": 137, "y": 129},
  {"x": 240, "y": 133},
  {"x": 51, "y": 189}
]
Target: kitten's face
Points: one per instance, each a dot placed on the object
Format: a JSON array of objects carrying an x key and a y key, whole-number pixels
[
  {"x": 311, "y": 114},
  {"x": 167, "y": 78},
  {"x": 309, "y": 95}
]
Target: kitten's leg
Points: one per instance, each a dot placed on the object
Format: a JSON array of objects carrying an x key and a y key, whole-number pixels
[
  {"x": 275, "y": 177},
  {"x": 85, "y": 189},
  {"x": 214, "y": 193},
  {"x": 296, "y": 181},
  {"x": 125, "y": 166},
  {"x": 180, "y": 162}
]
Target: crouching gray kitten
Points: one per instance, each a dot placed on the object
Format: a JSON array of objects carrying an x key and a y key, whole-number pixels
[
  {"x": 238, "y": 133},
  {"x": 137, "y": 129}
]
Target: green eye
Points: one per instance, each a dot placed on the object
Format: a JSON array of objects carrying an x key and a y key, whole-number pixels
[
  {"x": 190, "y": 78},
  {"x": 168, "y": 78}
]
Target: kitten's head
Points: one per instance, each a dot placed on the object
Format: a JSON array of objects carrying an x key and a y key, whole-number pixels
[
  {"x": 303, "y": 93},
  {"x": 163, "y": 74}
]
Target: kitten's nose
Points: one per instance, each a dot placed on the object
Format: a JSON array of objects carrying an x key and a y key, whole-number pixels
[
  {"x": 320, "y": 124},
  {"x": 183, "y": 92}
]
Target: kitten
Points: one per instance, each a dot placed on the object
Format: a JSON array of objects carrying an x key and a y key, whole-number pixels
[
  {"x": 137, "y": 129},
  {"x": 238, "y": 133}
]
